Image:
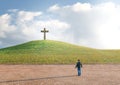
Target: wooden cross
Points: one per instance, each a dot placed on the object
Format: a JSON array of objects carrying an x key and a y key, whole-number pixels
[{"x": 44, "y": 31}]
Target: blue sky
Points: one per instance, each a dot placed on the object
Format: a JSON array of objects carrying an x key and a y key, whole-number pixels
[
  {"x": 32, "y": 5},
  {"x": 91, "y": 23},
  {"x": 41, "y": 5}
]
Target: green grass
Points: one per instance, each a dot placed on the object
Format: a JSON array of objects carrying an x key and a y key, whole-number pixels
[{"x": 54, "y": 52}]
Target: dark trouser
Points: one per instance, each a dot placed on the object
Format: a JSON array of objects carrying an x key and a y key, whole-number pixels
[{"x": 79, "y": 71}]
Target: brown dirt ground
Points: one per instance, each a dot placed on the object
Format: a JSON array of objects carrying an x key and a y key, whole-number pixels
[{"x": 59, "y": 75}]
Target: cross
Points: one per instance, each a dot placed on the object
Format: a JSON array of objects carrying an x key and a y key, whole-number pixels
[{"x": 44, "y": 31}]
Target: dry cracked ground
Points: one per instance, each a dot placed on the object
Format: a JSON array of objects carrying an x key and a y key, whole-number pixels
[{"x": 59, "y": 75}]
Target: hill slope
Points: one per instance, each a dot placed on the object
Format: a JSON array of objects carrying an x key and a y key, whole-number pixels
[{"x": 54, "y": 52}]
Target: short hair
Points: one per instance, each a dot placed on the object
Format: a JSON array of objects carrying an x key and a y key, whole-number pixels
[{"x": 78, "y": 59}]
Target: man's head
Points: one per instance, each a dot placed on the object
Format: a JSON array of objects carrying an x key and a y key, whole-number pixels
[{"x": 78, "y": 59}]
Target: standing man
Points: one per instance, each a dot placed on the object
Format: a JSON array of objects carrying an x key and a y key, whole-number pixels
[{"x": 78, "y": 66}]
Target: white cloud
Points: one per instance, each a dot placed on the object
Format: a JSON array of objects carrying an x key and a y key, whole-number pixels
[
  {"x": 93, "y": 25},
  {"x": 15, "y": 27},
  {"x": 13, "y": 10},
  {"x": 5, "y": 27},
  {"x": 27, "y": 16},
  {"x": 81, "y": 7},
  {"x": 54, "y": 23},
  {"x": 54, "y": 8}
]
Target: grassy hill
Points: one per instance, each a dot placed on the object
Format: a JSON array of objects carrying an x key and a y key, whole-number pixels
[{"x": 54, "y": 52}]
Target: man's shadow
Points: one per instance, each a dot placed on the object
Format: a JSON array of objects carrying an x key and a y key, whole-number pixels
[{"x": 54, "y": 77}]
